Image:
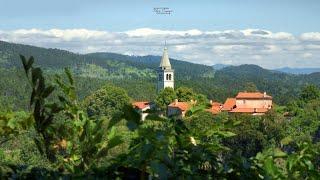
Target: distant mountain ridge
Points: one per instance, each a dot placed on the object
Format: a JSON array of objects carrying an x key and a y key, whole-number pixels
[
  {"x": 182, "y": 68},
  {"x": 284, "y": 69},
  {"x": 298, "y": 70},
  {"x": 101, "y": 64},
  {"x": 219, "y": 66}
]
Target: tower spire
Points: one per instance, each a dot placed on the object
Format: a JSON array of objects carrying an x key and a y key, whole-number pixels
[
  {"x": 165, "y": 62},
  {"x": 165, "y": 73}
]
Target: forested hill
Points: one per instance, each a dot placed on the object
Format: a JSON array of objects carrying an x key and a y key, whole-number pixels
[
  {"x": 102, "y": 65},
  {"x": 284, "y": 87},
  {"x": 137, "y": 75},
  {"x": 182, "y": 68}
]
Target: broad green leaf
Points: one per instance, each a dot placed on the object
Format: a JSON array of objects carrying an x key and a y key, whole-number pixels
[
  {"x": 287, "y": 140},
  {"x": 278, "y": 153},
  {"x": 68, "y": 73},
  {"x": 47, "y": 91},
  {"x": 115, "y": 141},
  {"x": 30, "y": 62},
  {"x": 226, "y": 133},
  {"x": 309, "y": 164},
  {"x": 270, "y": 167},
  {"x": 12, "y": 123}
]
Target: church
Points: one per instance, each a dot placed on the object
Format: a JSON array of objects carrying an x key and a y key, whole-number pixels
[
  {"x": 165, "y": 72},
  {"x": 165, "y": 79}
]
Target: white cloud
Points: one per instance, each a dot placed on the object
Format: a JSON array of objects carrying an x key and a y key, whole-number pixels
[
  {"x": 256, "y": 57},
  {"x": 248, "y": 46},
  {"x": 272, "y": 49},
  {"x": 227, "y": 61},
  {"x": 311, "y": 36},
  {"x": 313, "y": 47},
  {"x": 223, "y": 49},
  {"x": 306, "y": 55},
  {"x": 154, "y": 32},
  {"x": 268, "y": 34},
  {"x": 181, "y": 48}
]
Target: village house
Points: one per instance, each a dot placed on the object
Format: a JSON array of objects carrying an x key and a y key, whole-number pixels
[
  {"x": 254, "y": 103},
  {"x": 178, "y": 109},
  {"x": 142, "y": 108},
  {"x": 215, "y": 108},
  {"x": 229, "y": 104}
]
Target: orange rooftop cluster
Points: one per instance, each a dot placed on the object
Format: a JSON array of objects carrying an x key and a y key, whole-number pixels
[{"x": 254, "y": 103}]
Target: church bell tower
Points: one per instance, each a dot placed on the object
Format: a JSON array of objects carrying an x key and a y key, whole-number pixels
[{"x": 165, "y": 73}]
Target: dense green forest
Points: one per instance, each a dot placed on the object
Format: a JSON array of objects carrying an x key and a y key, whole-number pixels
[{"x": 78, "y": 122}]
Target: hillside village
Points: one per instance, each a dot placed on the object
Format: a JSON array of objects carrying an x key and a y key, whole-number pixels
[
  {"x": 89, "y": 91},
  {"x": 252, "y": 103}
]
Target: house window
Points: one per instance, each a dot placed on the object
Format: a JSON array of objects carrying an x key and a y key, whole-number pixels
[{"x": 244, "y": 101}]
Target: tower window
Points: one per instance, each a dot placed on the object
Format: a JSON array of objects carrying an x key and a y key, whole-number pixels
[{"x": 169, "y": 76}]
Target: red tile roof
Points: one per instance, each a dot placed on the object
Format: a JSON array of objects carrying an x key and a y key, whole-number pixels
[
  {"x": 183, "y": 106},
  {"x": 216, "y": 104},
  {"x": 252, "y": 95},
  {"x": 229, "y": 104},
  {"x": 215, "y": 108},
  {"x": 141, "y": 104}
]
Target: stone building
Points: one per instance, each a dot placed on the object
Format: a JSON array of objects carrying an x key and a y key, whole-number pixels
[{"x": 254, "y": 103}]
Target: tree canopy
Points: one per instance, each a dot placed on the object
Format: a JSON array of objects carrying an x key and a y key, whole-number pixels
[{"x": 108, "y": 101}]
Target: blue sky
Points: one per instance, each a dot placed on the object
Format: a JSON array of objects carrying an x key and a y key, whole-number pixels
[
  {"x": 269, "y": 33},
  {"x": 295, "y": 16}
]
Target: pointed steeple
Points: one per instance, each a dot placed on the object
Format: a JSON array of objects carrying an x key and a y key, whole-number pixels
[
  {"x": 165, "y": 62},
  {"x": 165, "y": 72}
]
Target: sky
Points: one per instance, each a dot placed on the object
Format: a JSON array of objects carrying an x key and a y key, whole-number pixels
[{"x": 269, "y": 33}]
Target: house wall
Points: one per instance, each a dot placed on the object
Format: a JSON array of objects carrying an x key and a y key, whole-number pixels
[
  {"x": 174, "y": 111},
  {"x": 143, "y": 116},
  {"x": 142, "y": 113},
  {"x": 254, "y": 103}
]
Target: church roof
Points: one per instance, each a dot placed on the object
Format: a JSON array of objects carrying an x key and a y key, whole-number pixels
[
  {"x": 165, "y": 62},
  {"x": 141, "y": 104},
  {"x": 252, "y": 95},
  {"x": 229, "y": 104},
  {"x": 183, "y": 106}
]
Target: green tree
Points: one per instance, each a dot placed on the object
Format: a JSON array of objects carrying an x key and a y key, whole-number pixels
[
  {"x": 42, "y": 110},
  {"x": 174, "y": 149},
  {"x": 273, "y": 163},
  {"x": 108, "y": 101},
  {"x": 13, "y": 124},
  {"x": 250, "y": 87},
  {"x": 185, "y": 94},
  {"x": 201, "y": 99},
  {"x": 165, "y": 97},
  {"x": 310, "y": 92},
  {"x": 86, "y": 141},
  {"x": 249, "y": 140}
]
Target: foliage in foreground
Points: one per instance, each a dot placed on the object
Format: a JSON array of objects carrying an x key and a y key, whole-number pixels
[{"x": 70, "y": 142}]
